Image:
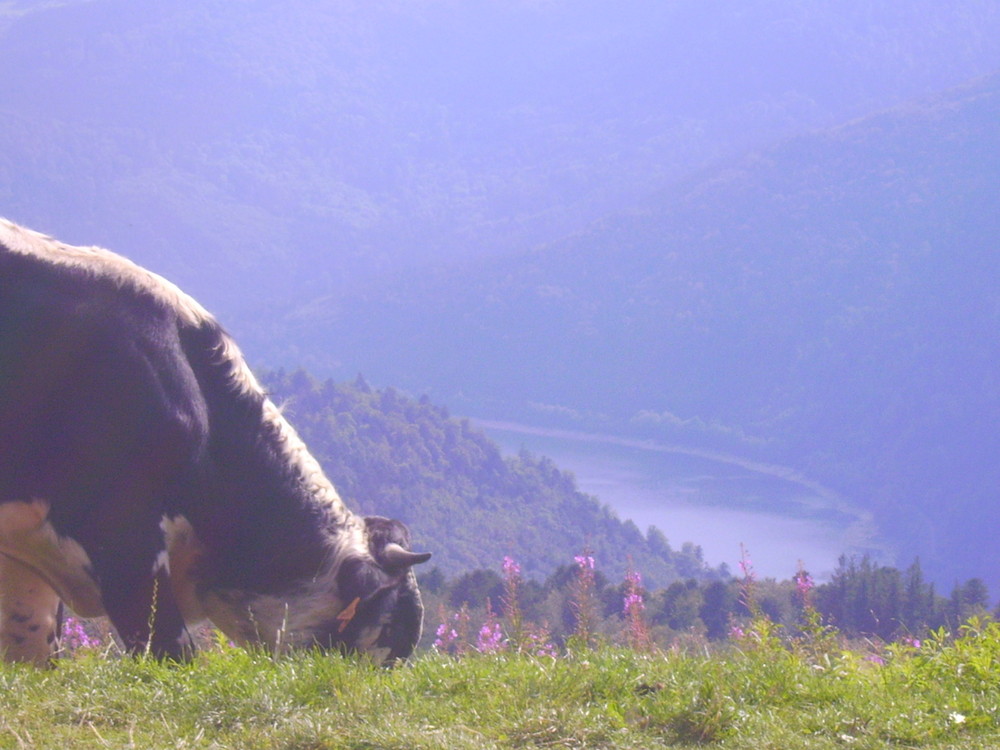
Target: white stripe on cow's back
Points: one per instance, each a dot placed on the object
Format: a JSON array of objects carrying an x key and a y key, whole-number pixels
[
  {"x": 101, "y": 262},
  {"x": 295, "y": 449},
  {"x": 129, "y": 275}
]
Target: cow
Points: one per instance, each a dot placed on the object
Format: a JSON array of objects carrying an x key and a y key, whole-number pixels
[{"x": 145, "y": 475}]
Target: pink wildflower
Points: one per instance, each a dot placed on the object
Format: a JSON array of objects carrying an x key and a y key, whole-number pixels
[
  {"x": 75, "y": 635},
  {"x": 804, "y": 584},
  {"x": 538, "y": 643},
  {"x": 633, "y": 593},
  {"x": 490, "y": 638},
  {"x": 452, "y": 633},
  {"x": 445, "y": 637},
  {"x": 634, "y": 603},
  {"x": 637, "y": 632},
  {"x": 583, "y": 598},
  {"x": 510, "y": 604}
]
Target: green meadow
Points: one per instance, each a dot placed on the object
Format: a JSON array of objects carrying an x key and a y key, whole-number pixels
[{"x": 761, "y": 691}]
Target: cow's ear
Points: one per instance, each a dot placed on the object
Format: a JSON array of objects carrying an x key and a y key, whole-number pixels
[{"x": 388, "y": 542}]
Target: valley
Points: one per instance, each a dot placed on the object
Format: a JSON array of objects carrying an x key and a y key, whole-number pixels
[{"x": 714, "y": 501}]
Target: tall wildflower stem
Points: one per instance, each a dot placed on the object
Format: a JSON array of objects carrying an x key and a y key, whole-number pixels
[
  {"x": 817, "y": 638},
  {"x": 452, "y": 636},
  {"x": 584, "y": 600},
  {"x": 511, "y": 603},
  {"x": 748, "y": 588},
  {"x": 761, "y": 630},
  {"x": 490, "y": 638},
  {"x": 804, "y": 585},
  {"x": 633, "y": 606}
]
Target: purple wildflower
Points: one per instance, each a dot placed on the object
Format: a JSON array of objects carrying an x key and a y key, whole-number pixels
[
  {"x": 446, "y": 636},
  {"x": 804, "y": 583},
  {"x": 75, "y": 635},
  {"x": 452, "y": 633},
  {"x": 490, "y": 638},
  {"x": 510, "y": 604},
  {"x": 583, "y": 598},
  {"x": 537, "y": 642},
  {"x": 634, "y": 604},
  {"x": 633, "y": 592}
]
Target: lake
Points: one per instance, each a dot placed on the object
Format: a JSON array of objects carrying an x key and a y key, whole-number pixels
[{"x": 716, "y": 501}]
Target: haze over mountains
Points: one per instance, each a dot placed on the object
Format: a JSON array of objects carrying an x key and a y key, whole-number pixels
[
  {"x": 764, "y": 228},
  {"x": 830, "y": 305}
]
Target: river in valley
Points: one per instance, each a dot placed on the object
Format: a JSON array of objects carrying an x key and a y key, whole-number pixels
[{"x": 721, "y": 503}]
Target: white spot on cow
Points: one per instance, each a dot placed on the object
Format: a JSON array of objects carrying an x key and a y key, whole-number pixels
[
  {"x": 28, "y": 612},
  {"x": 183, "y": 552},
  {"x": 161, "y": 563},
  {"x": 27, "y": 536}
]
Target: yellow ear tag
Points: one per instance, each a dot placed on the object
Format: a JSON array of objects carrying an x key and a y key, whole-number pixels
[{"x": 347, "y": 614}]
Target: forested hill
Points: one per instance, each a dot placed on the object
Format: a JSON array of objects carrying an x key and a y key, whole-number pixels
[{"x": 391, "y": 455}]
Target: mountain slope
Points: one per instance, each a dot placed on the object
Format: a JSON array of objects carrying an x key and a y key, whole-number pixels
[{"x": 390, "y": 455}]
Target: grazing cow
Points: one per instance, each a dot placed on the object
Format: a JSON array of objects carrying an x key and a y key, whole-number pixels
[{"x": 145, "y": 475}]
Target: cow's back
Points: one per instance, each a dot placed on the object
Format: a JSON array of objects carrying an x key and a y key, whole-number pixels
[{"x": 96, "y": 399}]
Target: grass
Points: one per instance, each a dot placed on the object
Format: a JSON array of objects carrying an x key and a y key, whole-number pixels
[{"x": 945, "y": 694}]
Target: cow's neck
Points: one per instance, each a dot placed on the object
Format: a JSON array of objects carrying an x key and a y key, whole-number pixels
[{"x": 272, "y": 514}]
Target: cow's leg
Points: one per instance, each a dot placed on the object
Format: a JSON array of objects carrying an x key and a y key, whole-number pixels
[
  {"x": 145, "y": 614},
  {"x": 29, "y": 612}
]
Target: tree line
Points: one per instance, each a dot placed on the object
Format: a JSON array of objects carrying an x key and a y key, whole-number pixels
[{"x": 862, "y": 599}]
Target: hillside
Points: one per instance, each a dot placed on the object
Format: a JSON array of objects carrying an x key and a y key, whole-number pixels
[
  {"x": 830, "y": 304},
  {"x": 390, "y": 455}
]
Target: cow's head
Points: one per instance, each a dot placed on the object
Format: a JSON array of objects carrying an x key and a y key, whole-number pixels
[{"x": 383, "y": 615}]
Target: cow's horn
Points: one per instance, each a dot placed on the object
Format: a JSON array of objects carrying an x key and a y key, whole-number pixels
[{"x": 396, "y": 556}]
